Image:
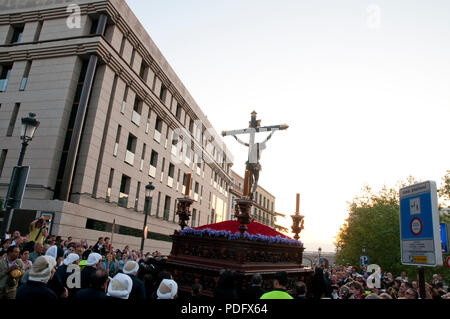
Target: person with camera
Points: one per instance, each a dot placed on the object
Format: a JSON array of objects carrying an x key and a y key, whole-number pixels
[
  {"x": 37, "y": 231},
  {"x": 11, "y": 269}
]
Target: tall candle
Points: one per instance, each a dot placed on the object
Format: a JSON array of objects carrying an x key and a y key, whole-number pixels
[
  {"x": 297, "y": 207},
  {"x": 188, "y": 184},
  {"x": 246, "y": 182}
]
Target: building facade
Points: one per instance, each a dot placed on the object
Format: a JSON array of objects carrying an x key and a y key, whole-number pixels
[
  {"x": 263, "y": 209},
  {"x": 113, "y": 116}
]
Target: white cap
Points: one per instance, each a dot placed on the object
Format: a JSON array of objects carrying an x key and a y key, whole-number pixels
[
  {"x": 120, "y": 286},
  {"x": 167, "y": 289},
  {"x": 93, "y": 259}
]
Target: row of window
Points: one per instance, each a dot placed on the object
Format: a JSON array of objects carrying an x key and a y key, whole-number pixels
[{"x": 5, "y": 73}]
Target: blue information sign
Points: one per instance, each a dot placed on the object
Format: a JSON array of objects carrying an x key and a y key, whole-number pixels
[
  {"x": 364, "y": 260},
  {"x": 444, "y": 238},
  {"x": 419, "y": 225}
]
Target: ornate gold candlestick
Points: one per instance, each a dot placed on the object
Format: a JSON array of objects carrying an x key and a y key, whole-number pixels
[
  {"x": 184, "y": 204},
  {"x": 297, "y": 220}
]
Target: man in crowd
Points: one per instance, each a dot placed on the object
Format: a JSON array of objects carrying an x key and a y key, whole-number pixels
[
  {"x": 11, "y": 269},
  {"x": 38, "y": 231},
  {"x": 138, "y": 291},
  {"x": 255, "y": 291},
  {"x": 99, "y": 284},
  {"x": 93, "y": 263},
  {"x": 36, "y": 287},
  {"x": 279, "y": 287}
]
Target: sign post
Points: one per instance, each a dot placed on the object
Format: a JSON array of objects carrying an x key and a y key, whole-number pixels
[
  {"x": 419, "y": 225},
  {"x": 420, "y": 241},
  {"x": 364, "y": 260}
]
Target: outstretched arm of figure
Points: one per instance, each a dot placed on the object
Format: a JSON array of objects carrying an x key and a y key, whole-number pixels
[
  {"x": 243, "y": 143},
  {"x": 263, "y": 144}
]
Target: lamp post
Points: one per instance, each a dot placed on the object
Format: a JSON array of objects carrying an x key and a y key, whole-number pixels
[
  {"x": 17, "y": 183},
  {"x": 147, "y": 205}
]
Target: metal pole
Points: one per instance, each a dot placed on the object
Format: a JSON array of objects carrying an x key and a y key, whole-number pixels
[
  {"x": 422, "y": 283},
  {"x": 148, "y": 204},
  {"x": 9, "y": 202},
  {"x": 22, "y": 153}
]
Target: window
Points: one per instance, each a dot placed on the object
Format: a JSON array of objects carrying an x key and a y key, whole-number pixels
[
  {"x": 17, "y": 32},
  {"x": 2, "y": 160},
  {"x": 143, "y": 71},
  {"x": 94, "y": 26},
  {"x": 124, "y": 102},
  {"x": 166, "y": 213},
  {"x": 153, "y": 164},
  {"x": 158, "y": 129},
  {"x": 131, "y": 149},
  {"x": 12, "y": 122},
  {"x": 178, "y": 112},
  {"x": 144, "y": 147},
  {"x": 4, "y": 76},
  {"x": 137, "y": 110},
  {"x": 124, "y": 190},
  {"x": 191, "y": 126},
  {"x": 116, "y": 145},
  {"x": 110, "y": 181},
  {"x": 196, "y": 188},
  {"x": 194, "y": 215},
  {"x": 171, "y": 174},
  {"x": 38, "y": 31},
  {"x": 136, "y": 200},
  {"x": 163, "y": 93},
  {"x": 26, "y": 73},
  {"x": 162, "y": 169}
]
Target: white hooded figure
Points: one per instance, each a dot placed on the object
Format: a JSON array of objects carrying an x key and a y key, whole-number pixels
[
  {"x": 70, "y": 259},
  {"x": 120, "y": 286},
  {"x": 42, "y": 269},
  {"x": 52, "y": 251},
  {"x": 167, "y": 289}
]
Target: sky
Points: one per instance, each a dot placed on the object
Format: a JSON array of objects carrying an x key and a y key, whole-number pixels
[{"x": 364, "y": 86}]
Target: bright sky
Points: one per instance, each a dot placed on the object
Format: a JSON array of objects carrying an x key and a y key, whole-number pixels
[{"x": 363, "y": 84}]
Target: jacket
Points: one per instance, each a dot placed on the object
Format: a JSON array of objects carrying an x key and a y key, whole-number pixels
[
  {"x": 6, "y": 281},
  {"x": 33, "y": 290}
]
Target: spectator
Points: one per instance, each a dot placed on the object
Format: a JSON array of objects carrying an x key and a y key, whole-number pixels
[
  {"x": 138, "y": 291},
  {"x": 279, "y": 287},
  {"x": 105, "y": 247},
  {"x": 11, "y": 269},
  {"x": 37, "y": 251},
  {"x": 411, "y": 294},
  {"x": 225, "y": 287},
  {"x": 113, "y": 263},
  {"x": 197, "y": 292},
  {"x": 24, "y": 256},
  {"x": 344, "y": 293},
  {"x": 98, "y": 246},
  {"x": 120, "y": 286},
  {"x": 84, "y": 258},
  {"x": 402, "y": 277},
  {"x": 93, "y": 263},
  {"x": 17, "y": 239},
  {"x": 356, "y": 290},
  {"x": 38, "y": 230},
  {"x": 36, "y": 287},
  {"x": 300, "y": 290},
  {"x": 123, "y": 260},
  {"x": 385, "y": 296},
  {"x": 318, "y": 283},
  {"x": 64, "y": 274},
  {"x": 97, "y": 290},
  {"x": 168, "y": 289},
  {"x": 254, "y": 291}
]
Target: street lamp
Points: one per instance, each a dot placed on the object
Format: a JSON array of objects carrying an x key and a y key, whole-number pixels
[
  {"x": 147, "y": 205},
  {"x": 29, "y": 126},
  {"x": 19, "y": 176}
]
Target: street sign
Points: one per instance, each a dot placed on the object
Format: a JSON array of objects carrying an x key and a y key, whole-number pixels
[
  {"x": 419, "y": 225},
  {"x": 364, "y": 260},
  {"x": 444, "y": 237}
]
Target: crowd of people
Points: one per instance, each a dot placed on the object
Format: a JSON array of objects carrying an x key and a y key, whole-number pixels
[{"x": 42, "y": 266}]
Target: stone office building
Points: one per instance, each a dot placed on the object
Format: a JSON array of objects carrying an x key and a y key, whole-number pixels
[{"x": 108, "y": 104}]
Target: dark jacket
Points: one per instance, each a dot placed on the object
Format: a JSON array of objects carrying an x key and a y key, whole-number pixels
[
  {"x": 33, "y": 290},
  {"x": 253, "y": 292},
  {"x": 91, "y": 293},
  {"x": 86, "y": 275},
  {"x": 56, "y": 285},
  {"x": 138, "y": 289}
]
